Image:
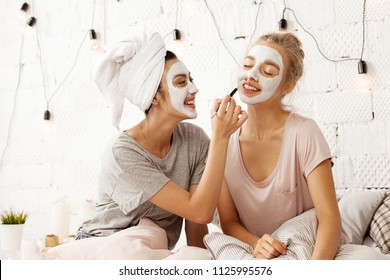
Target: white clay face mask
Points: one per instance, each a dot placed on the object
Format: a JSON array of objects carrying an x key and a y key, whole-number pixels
[
  {"x": 182, "y": 98},
  {"x": 261, "y": 54}
]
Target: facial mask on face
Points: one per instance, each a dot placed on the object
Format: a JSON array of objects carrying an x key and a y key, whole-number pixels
[
  {"x": 178, "y": 95},
  {"x": 262, "y": 53}
]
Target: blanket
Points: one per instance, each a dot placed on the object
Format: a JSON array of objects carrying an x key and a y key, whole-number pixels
[{"x": 146, "y": 241}]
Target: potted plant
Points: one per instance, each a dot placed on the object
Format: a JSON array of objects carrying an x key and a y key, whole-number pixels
[{"x": 11, "y": 229}]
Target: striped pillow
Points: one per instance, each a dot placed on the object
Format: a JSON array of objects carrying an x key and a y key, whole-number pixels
[
  {"x": 380, "y": 226},
  {"x": 225, "y": 247},
  {"x": 297, "y": 233}
]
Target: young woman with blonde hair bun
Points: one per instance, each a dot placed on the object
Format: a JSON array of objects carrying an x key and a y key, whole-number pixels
[{"x": 279, "y": 163}]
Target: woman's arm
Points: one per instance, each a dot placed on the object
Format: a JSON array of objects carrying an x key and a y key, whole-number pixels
[
  {"x": 322, "y": 191},
  {"x": 264, "y": 247},
  {"x": 195, "y": 232},
  {"x": 200, "y": 206},
  {"x": 230, "y": 222}
]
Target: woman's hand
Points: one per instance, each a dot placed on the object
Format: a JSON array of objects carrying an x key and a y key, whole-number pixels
[
  {"x": 227, "y": 117},
  {"x": 268, "y": 247}
]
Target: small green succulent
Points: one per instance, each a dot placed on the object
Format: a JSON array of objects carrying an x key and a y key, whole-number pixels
[{"x": 13, "y": 217}]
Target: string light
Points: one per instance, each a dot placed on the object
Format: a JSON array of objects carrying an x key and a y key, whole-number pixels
[
  {"x": 176, "y": 35},
  {"x": 93, "y": 38},
  {"x": 46, "y": 115},
  {"x": 24, "y": 7},
  {"x": 283, "y": 21},
  {"x": 282, "y": 24},
  {"x": 31, "y": 22},
  {"x": 362, "y": 66},
  {"x": 176, "y": 32}
]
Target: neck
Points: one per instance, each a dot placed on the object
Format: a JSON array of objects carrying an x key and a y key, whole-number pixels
[
  {"x": 157, "y": 133},
  {"x": 263, "y": 120}
]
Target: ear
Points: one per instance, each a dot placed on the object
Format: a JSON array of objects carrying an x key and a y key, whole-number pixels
[
  {"x": 289, "y": 87},
  {"x": 155, "y": 101}
]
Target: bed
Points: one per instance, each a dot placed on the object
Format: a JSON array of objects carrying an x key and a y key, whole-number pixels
[{"x": 365, "y": 235}]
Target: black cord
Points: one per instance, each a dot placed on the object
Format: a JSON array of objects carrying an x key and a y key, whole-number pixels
[
  {"x": 177, "y": 12},
  {"x": 74, "y": 62},
  {"x": 20, "y": 66},
  {"x": 364, "y": 29},
  {"x": 176, "y": 16},
  {"x": 257, "y": 16},
  {"x": 316, "y": 42},
  {"x": 93, "y": 14},
  {"x": 104, "y": 23},
  {"x": 219, "y": 33}
]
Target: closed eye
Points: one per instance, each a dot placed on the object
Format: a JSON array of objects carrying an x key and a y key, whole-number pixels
[{"x": 247, "y": 66}]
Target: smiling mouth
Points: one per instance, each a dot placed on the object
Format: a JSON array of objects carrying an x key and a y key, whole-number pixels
[
  {"x": 190, "y": 103},
  {"x": 251, "y": 89}
]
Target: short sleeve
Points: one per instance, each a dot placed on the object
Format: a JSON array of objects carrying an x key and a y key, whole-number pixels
[
  {"x": 140, "y": 178},
  {"x": 312, "y": 146},
  {"x": 201, "y": 144}
]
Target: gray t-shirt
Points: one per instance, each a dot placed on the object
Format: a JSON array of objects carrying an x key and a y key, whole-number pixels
[{"x": 130, "y": 176}]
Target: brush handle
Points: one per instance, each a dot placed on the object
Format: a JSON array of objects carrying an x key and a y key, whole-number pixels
[
  {"x": 233, "y": 92},
  {"x": 231, "y": 95}
]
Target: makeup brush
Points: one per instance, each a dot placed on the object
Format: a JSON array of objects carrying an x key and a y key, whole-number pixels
[
  {"x": 231, "y": 94},
  {"x": 237, "y": 87}
]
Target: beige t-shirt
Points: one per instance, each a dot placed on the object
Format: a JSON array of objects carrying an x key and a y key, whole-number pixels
[{"x": 264, "y": 206}]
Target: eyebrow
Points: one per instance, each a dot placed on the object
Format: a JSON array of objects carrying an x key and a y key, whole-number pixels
[
  {"x": 180, "y": 75},
  {"x": 267, "y": 61}
]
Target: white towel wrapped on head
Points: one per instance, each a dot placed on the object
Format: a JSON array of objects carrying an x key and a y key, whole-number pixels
[{"x": 131, "y": 69}]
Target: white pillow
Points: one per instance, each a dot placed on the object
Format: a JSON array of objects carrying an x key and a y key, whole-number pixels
[
  {"x": 359, "y": 252},
  {"x": 357, "y": 210}
]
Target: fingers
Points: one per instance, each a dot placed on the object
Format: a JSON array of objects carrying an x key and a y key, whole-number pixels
[
  {"x": 269, "y": 247},
  {"x": 216, "y": 104},
  {"x": 224, "y": 104},
  {"x": 242, "y": 118},
  {"x": 227, "y": 105},
  {"x": 226, "y": 117}
]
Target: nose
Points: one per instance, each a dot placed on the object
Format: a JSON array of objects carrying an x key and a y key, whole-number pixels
[
  {"x": 253, "y": 74},
  {"x": 192, "y": 89}
]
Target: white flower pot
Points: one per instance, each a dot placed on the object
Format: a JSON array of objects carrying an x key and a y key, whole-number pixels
[{"x": 11, "y": 237}]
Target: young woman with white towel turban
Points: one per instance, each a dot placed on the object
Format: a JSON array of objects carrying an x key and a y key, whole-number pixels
[{"x": 157, "y": 169}]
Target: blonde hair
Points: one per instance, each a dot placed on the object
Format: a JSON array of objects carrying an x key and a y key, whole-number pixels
[{"x": 293, "y": 47}]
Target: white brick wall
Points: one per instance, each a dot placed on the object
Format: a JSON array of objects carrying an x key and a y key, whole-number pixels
[{"x": 43, "y": 163}]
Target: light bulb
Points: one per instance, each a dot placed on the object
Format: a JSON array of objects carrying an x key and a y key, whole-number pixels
[
  {"x": 176, "y": 34},
  {"x": 362, "y": 67},
  {"x": 24, "y": 7},
  {"x": 95, "y": 42},
  {"x": 31, "y": 21},
  {"x": 282, "y": 24}
]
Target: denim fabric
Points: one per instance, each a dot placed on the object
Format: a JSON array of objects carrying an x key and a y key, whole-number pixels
[{"x": 82, "y": 235}]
